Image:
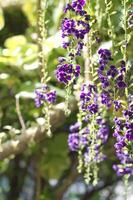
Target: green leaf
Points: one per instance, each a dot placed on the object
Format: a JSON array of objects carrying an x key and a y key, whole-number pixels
[
  {"x": 56, "y": 155},
  {"x": 15, "y": 41},
  {"x": 2, "y": 21}
]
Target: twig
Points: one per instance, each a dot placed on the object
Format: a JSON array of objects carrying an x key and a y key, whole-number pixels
[{"x": 19, "y": 113}]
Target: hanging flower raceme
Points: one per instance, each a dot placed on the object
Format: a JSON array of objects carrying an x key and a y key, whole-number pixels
[
  {"x": 111, "y": 78},
  {"x": 73, "y": 31},
  {"x": 45, "y": 97},
  {"x": 75, "y": 140},
  {"x": 88, "y": 99},
  {"x": 88, "y": 136},
  {"x": 124, "y": 145}
]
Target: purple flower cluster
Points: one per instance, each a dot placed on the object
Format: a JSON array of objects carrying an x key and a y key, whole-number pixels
[
  {"x": 67, "y": 72},
  {"x": 104, "y": 57},
  {"x": 75, "y": 28},
  {"x": 108, "y": 73},
  {"x": 103, "y": 131},
  {"x": 88, "y": 98},
  {"x": 110, "y": 77},
  {"x": 83, "y": 140},
  {"x": 75, "y": 140},
  {"x": 43, "y": 94},
  {"x": 124, "y": 137},
  {"x": 106, "y": 98},
  {"x": 77, "y": 7}
]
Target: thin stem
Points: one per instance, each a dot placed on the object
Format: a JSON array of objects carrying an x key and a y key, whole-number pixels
[
  {"x": 111, "y": 33},
  {"x": 20, "y": 114},
  {"x": 87, "y": 53},
  {"x": 125, "y": 29},
  {"x": 125, "y": 38},
  {"x": 41, "y": 38}
]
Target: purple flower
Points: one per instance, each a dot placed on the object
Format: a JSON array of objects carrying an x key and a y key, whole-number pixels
[
  {"x": 93, "y": 108},
  {"x": 79, "y": 48},
  {"x": 123, "y": 66},
  {"x": 130, "y": 19},
  {"x": 43, "y": 94},
  {"x": 104, "y": 80},
  {"x": 75, "y": 127},
  {"x": 105, "y": 56},
  {"x": 106, "y": 99},
  {"x": 117, "y": 135},
  {"x": 119, "y": 145},
  {"x": 120, "y": 170},
  {"x": 73, "y": 141},
  {"x": 78, "y": 5},
  {"x": 103, "y": 133},
  {"x": 77, "y": 71},
  {"x": 121, "y": 84},
  {"x": 50, "y": 96},
  {"x": 117, "y": 105},
  {"x": 112, "y": 72},
  {"x": 67, "y": 27},
  {"x": 88, "y": 92},
  {"x": 129, "y": 134},
  {"x": 65, "y": 72}
]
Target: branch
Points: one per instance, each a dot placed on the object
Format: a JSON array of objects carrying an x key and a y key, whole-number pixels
[{"x": 21, "y": 142}]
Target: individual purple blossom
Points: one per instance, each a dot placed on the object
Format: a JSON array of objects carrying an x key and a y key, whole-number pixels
[
  {"x": 75, "y": 127},
  {"x": 61, "y": 59},
  {"x": 129, "y": 125},
  {"x": 130, "y": 19},
  {"x": 112, "y": 72},
  {"x": 93, "y": 108},
  {"x": 77, "y": 71},
  {"x": 117, "y": 135},
  {"x": 106, "y": 99},
  {"x": 118, "y": 123},
  {"x": 123, "y": 66},
  {"x": 79, "y": 48},
  {"x": 65, "y": 45},
  {"x": 117, "y": 104},
  {"x": 73, "y": 141},
  {"x": 128, "y": 114},
  {"x": 119, "y": 145},
  {"x": 120, "y": 170},
  {"x": 121, "y": 84},
  {"x": 51, "y": 96},
  {"x": 129, "y": 134},
  {"x": 104, "y": 80}
]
